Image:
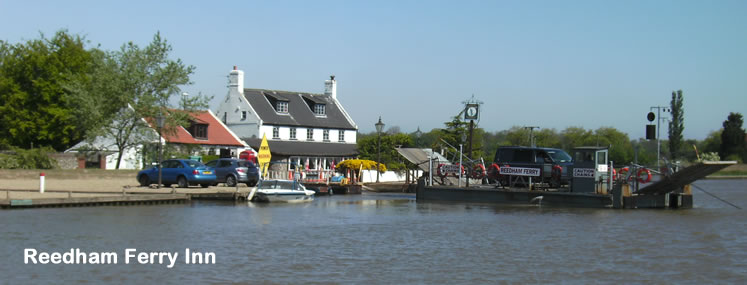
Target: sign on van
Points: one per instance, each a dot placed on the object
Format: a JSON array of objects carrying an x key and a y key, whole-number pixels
[{"x": 520, "y": 171}]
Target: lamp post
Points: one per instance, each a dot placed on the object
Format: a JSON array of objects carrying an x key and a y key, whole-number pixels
[
  {"x": 658, "y": 142},
  {"x": 379, "y": 126},
  {"x": 159, "y": 122}
]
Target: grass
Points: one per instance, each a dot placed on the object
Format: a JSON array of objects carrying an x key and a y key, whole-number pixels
[
  {"x": 734, "y": 170},
  {"x": 66, "y": 173}
]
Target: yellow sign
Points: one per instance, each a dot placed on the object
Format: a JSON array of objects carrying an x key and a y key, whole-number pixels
[{"x": 264, "y": 155}]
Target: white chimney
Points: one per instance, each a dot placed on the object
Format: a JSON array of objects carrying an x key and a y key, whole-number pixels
[
  {"x": 330, "y": 87},
  {"x": 236, "y": 80}
]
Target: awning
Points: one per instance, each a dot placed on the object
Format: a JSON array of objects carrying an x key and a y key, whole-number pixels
[{"x": 302, "y": 148}]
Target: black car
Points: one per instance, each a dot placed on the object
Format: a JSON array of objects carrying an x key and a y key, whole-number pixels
[
  {"x": 232, "y": 171},
  {"x": 553, "y": 163}
]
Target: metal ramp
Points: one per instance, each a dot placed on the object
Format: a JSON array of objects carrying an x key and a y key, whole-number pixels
[{"x": 688, "y": 175}]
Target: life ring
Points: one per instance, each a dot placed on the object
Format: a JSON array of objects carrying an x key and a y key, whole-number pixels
[
  {"x": 478, "y": 171},
  {"x": 556, "y": 173},
  {"x": 624, "y": 171},
  {"x": 440, "y": 171},
  {"x": 614, "y": 175},
  {"x": 461, "y": 169},
  {"x": 648, "y": 175},
  {"x": 494, "y": 171}
]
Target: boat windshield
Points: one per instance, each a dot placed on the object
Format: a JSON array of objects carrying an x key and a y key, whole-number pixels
[
  {"x": 559, "y": 156},
  {"x": 278, "y": 184}
]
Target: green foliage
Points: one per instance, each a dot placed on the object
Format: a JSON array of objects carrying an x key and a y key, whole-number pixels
[
  {"x": 455, "y": 130},
  {"x": 35, "y": 108},
  {"x": 36, "y": 158},
  {"x": 676, "y": 126},
  {"x": 732, "y": 138},
  {"x": 140, "y": 83},
  {"x": 389, "y": 155},
  {"x": 712, "y": 143}
]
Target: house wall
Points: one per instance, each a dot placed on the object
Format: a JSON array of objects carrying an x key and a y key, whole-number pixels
[
  {"x": 234, "y": 104},
  {"x": 284, "y": 131},
  {"x": 131, "y": 159}
]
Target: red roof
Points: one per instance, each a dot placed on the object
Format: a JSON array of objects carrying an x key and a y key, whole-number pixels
[{"x": 217, "y": 133}]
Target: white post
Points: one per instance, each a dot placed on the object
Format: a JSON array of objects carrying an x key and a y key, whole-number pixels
[
  {"x": 430, "y": 169},
  {"x": 41, "y": 182}
]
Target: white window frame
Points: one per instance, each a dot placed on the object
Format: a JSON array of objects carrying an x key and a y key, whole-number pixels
[
  {"x": 293, "y": 133},
  {"x": 282, "y": 107},
  {"x": 341, "y": 136},
  {"x": 320, "y": 109},
  {"x": 310, "y": 134},
  {"x": 276, "y": 132},
  {"x": 325, "y": 135}
]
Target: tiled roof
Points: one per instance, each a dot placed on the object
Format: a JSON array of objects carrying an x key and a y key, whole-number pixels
[
  {"x": 299, "y": 112},
  {"x": 217, "y": 133}
]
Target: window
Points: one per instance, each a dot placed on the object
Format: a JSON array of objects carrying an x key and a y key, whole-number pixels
[
  {"x": 282, "y": 107},
  {"x": 275, "y": 133},
  {"x": 309, "y": 134},
  {"x": 325, "y": 135},
  {"x": 320, "y": 109},
  {"x": 198, "y": 131},
  {"x": 341, "y": 136},
  {"x": 243, "y": 115},
  {"x": 293, "y": 133}
]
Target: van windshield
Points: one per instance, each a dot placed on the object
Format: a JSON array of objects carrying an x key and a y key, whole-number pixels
[{"x": 559, "y": 156}]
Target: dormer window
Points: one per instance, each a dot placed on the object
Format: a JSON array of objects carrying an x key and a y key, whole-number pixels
[
  {"x": 320, "y": 109},
  {"x": 281, "y": 107},
  {"x": 198, "y": 131}
]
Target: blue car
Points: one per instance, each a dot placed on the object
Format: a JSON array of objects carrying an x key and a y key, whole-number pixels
[{"x": 183, "y": 172}]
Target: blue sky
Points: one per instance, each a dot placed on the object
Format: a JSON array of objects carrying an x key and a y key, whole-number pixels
[{"x": 552, "y": 64}]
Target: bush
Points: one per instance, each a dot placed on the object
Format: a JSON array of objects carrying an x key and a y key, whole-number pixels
[
  {"x": 710, "y": 156},
  {"x": 36, "y": 158},
  {"x": 355, "y": 164}
]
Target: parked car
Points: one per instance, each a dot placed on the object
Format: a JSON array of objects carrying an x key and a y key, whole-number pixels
[
  {"x": 183, "y": 172},
  {"x": 232, "y": 171},
  {"x": 552, "y": 162}
]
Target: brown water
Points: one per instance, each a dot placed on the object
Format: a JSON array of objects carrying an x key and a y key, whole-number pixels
[{"x": 390, "y": 239}]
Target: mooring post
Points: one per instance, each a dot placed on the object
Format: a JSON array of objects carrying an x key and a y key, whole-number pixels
[
  {"x": 41, "y": 182},
  {"x": 69, "y": 194}
]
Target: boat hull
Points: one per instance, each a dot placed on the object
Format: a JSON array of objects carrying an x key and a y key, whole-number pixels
[{"x": 283, "y": 197}]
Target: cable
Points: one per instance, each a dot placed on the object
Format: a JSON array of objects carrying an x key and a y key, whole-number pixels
[{"x": 714, "y": 196}]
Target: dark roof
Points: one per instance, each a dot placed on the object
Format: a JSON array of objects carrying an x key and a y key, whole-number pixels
[
  {"x": 303, "y": 148},
  {"x": 299, "y": 110}
]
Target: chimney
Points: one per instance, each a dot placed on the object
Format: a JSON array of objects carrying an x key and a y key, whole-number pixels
[
  {"x": 236, "y": 80},
  {"x": 330, "y": 87}
]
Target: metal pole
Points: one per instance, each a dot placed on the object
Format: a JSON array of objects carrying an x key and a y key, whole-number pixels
[
  {"x": 160, "y": 159},
  {"x": 378, "y": 160},
  {"x": 469, "y": 147},
  {"x": 658, "y": 143},
  {"x": 459, "y": 184},
  {"x": 430, "y": 169}
]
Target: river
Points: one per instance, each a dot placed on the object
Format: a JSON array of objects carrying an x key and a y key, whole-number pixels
[{"x": 389, "y": 239}]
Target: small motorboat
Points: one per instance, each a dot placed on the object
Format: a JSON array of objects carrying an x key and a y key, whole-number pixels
[{"x": 277, "y": 190}]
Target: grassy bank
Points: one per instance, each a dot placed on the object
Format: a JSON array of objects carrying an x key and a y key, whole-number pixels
[
  {"x": 734, "y": 170},
  {"x": 66, "y": 173}
]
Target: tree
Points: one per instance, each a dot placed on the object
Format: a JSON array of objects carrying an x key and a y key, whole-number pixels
[
  {"x": 677, "y": 125},
  {"x": 732, "y": 138},
  {"x": 142, "y": 83},
  {"x": 35, "y": 108},
  {"x": 367, "y": 149}
]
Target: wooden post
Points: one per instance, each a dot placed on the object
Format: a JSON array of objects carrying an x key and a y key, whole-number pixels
[
  {"x": 626, "y": 190},
  {"x": 687, "y": 190}
]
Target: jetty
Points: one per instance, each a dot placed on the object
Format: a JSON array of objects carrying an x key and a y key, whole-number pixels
[{"x": 670, "y": 191}]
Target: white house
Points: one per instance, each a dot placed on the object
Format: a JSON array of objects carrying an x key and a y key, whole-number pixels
[{"x": 299, "y": 126}]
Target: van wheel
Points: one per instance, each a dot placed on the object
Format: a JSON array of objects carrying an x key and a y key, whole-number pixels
[{"x": 182, "y": 182}]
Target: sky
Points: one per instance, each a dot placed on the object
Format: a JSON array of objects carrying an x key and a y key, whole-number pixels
[{"x": 552, "y": 64}]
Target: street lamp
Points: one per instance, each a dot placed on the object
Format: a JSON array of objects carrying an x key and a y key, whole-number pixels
[
  {"x": 379, "y": 127},
  {"x": 159, "y": 122}
]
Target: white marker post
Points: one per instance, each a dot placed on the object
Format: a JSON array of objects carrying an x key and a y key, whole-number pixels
[{"x": 41, "y": 182}]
